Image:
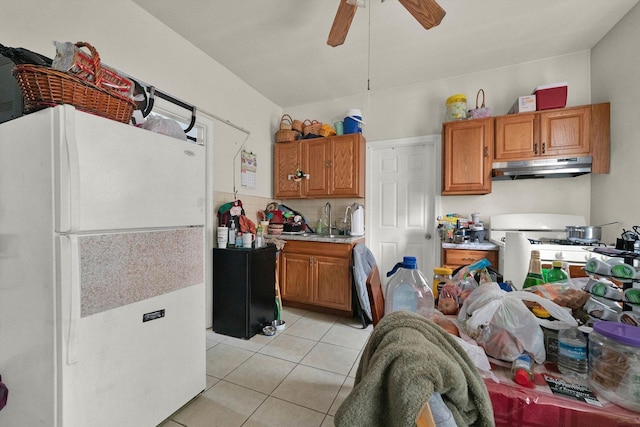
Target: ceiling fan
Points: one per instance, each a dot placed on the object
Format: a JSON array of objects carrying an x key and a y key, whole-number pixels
[{"x": 427, "y": 12}]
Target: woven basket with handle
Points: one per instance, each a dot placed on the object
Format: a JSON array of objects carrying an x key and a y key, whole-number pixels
[
  {"x": 482, "y": 111},
  {"x": 311, "y": 127},
  {"x": 44, "y": 87},
  {"x": 285, "y": 122}
]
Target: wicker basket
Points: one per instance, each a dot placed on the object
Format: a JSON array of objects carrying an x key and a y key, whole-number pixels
[
  {"x": 44, "y": 87},
  {"x": 285, "y": 122},
  {"x": 313, "y": 127},
  {"x": 286, "y": 135},
  {"x": 297, "y": 125}
]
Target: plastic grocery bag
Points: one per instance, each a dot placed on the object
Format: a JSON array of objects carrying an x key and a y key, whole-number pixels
[
  {"x": 164, "y": 126},
  {"x": 503, "y": 325}
]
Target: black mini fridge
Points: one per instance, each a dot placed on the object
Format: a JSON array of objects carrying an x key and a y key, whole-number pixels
[{"x": 244, "y": 297}]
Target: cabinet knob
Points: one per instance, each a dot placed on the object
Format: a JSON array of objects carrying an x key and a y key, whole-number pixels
[
  {"x": 544, "y": 148},
  {"x": 535, "y": 148},
  {"x": 486, "y": 151}
]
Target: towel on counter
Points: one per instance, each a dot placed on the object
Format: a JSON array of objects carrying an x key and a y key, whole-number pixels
[{"x": 406, "y": 359}]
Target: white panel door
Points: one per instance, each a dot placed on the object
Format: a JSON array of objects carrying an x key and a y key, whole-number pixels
[{"x": 401, "y": 201}]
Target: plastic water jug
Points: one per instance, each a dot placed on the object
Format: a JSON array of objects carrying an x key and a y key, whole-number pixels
[{"x": 408, "y": 290}]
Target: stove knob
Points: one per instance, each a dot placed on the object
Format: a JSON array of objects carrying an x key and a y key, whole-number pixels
[{"x": 559, "y": 255}]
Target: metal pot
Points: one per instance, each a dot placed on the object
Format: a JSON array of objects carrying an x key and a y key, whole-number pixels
[{"x": 587, "y": 233}]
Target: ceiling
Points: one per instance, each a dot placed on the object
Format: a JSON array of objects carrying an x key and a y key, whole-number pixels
[{"x": 279, "y": 47}]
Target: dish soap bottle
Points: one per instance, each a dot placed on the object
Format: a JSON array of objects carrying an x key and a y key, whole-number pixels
[
  {"x": 534, "y": 276},
  {"x": 232, "y": 234},
  {"x": 259, "y": 236},
  {"x": 408, "y": 289}
]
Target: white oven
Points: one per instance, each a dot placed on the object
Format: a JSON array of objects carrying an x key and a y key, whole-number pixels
[{"x": 518, "y": 234}]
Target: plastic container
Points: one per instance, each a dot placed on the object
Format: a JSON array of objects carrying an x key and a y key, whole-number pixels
[
  {"x": 551, "y": 96},
  {"x": 408, "y": 290},
  {"x": 440, "y": 276},
  {"x": 522, "y": 370},
  {"x": 614, "y": 363},
  {"x": 456, "y": 108},
  {"x": 572, "y": 353},
  {"x": 556, "y": 274},
  {"x": 353, "y": 122}
]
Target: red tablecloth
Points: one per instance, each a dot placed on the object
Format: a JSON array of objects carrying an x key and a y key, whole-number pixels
[{"x": 514, "y": 405}]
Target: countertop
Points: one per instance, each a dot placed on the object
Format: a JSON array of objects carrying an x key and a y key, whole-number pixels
[
  {"x": 484, "y": 246},
  {"x": 313, "y": 237}
]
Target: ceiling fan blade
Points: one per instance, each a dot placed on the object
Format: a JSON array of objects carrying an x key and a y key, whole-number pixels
[
  {"x": 341, "y": 23},
  {"x": 427, "y": 12}
]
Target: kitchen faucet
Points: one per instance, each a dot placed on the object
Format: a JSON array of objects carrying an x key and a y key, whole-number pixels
[
  {"x": 346, "y": 214},
  {"x": 327, "y": 208}
]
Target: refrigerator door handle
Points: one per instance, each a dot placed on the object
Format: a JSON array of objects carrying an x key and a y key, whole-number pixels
[
  {"x": 70, "y": 294},
  {"x": 69, "y": 173}
]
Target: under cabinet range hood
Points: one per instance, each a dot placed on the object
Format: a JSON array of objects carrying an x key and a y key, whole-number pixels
[{"x": 542, "y": 168}]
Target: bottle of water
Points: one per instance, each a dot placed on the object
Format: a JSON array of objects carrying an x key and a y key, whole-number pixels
[
  {"x": 408, "y": 290},
  {"x": 572, "y": 353}
]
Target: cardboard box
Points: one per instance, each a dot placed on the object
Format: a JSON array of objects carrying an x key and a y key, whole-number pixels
[
  {"x": 523, "y": 104},
  {"x": 551, "y": 96}
]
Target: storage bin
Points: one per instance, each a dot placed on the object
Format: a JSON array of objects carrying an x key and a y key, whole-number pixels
[
  {"x": 551, "y": 96},
  {"x": 456, "y": 108},
  {"x": 614, "y": 363}
]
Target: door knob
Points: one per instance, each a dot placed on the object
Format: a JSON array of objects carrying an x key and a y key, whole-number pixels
[{"x": 427, "y": 236}]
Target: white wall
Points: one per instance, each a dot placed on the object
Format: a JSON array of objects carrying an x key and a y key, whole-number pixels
[
  {"x": 131, "y": 40},
  {"x": 419, "y": 110},
  {"x": 615, "y": 68}
]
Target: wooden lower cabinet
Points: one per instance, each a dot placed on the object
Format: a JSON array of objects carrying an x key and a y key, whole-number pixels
[
  {"x": 455, "y": 258},
  {"x": 317, "y": 276}
]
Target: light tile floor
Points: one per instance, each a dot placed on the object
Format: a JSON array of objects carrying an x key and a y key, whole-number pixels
[{"x": 297, "y": 378}]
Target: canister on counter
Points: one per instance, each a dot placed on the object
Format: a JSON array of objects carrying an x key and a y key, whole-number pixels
[{"x": 440, "y": 277}]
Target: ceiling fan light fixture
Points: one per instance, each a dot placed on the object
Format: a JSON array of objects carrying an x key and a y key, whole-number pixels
[{"x": 359, "y": 3}]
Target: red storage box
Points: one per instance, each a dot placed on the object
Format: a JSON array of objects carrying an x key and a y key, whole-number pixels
[{"x": 551, "y": 96}]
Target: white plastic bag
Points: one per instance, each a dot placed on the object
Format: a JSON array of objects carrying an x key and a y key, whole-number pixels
[
  {"x": 164, "y": 126},
  {"x": 503, "y": 325}
]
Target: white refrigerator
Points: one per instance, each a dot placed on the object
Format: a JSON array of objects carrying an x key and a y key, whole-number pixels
[{"x": 102, "y": 300}]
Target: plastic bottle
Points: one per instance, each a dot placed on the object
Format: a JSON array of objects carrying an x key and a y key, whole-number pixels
[
  {"x": 572, "y": 353},
  {"x": 440, "y": 276},
  {"x": 408, "y": 289},
  {"x": 534, "y": 276},
  {"x": 556, "y": 274},
  {"x": 522, "y": 370},
  {"x": 259, "y": 236},
  {"x": 232, "y": 234}
]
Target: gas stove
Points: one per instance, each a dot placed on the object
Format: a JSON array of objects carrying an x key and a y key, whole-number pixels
[{"x": 518, "y": 234}]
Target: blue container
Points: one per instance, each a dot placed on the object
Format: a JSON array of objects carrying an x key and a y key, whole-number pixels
[{"x": 352, "y": 124}]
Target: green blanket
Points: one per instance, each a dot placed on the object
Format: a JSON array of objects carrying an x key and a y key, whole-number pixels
[{"x": 406, "y": 359}]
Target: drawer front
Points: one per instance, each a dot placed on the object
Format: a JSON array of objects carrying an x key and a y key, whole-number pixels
[{"x": 458, "y": 257}]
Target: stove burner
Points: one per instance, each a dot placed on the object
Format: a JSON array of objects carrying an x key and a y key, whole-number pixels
[{"x": 576, "y": 242}]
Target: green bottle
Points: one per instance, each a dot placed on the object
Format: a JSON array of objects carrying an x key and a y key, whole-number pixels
[
  {"x": 556, "y": 274},
  {"x": 534, "y": 276}
]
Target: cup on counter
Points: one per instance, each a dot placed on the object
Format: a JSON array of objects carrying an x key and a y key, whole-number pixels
[
  {"x": 247, "y": 239},
  {"x": 223, "y": 237},
  {"x": 265, "y": 226}
]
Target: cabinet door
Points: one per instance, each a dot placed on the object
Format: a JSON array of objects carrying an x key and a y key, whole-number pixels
[
  {"x": 516, "y": 137},
  {"x": 296, "y": 277},
  {"x": 287, "y": 157},
  {"x": 467, "y": 155},
  {"x": 332, "y": 282},
  {"x": 565, "y": 132},
  {"x": 317, "y": 164},
  {"x": 347, "y": 165}
]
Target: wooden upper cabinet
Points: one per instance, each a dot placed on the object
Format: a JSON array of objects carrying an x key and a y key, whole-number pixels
[
  {"x": 467, "y": 154},
  {"x": 552, "y": 133},
  {"x": 335, "y": 167},
  {"x": 318, "y": 165},
  {"x": 347, "y": 165},
  {"x": 287, "y": 157}
]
